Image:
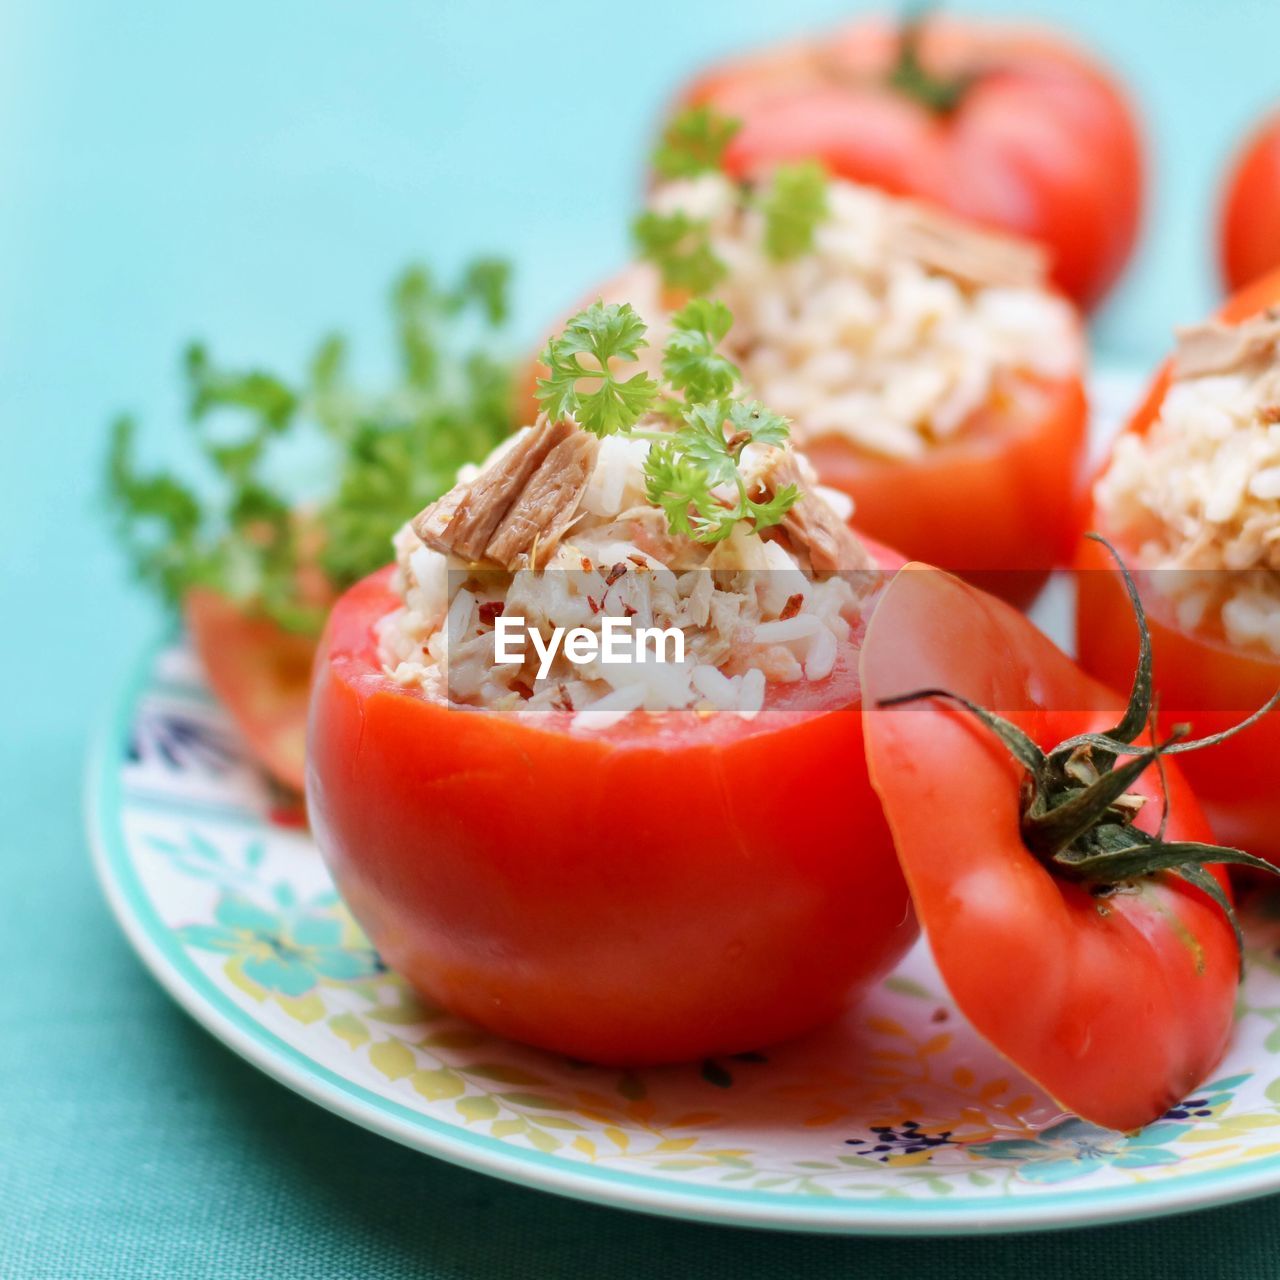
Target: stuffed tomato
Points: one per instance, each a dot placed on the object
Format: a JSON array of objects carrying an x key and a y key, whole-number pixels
[
  {"x": 627, "y": 863},
  {"x": 1191, "y": 496},
  {"x": 928, "y": 369},
  {"x": 1010, "y": 126}
]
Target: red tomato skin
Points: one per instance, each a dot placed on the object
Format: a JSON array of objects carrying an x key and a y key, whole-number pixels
[
  {"x": 1249, "y": 220},
  {"x": 1201, "y": 678},
  {"x": 1203, "y": 682},
  {"x": 1000, "y": 505},
  {"x": 640, "y": 896},
  {"x": 1117, "y": 1006},
  {"x": 261, "y": 673},
  {"x": 1044, "y": 144}
]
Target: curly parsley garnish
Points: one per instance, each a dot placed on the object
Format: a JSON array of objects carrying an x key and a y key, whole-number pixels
[
  {"x": 282, "y": 548},
  {"x": 684, "y": 469},
  {"x": 793, "y": 207},
  {"x": 694, "y": 142},
  {"x": 793, "y": 203},
  {"x": 692, "y": 472},
  {"x": 691, "y": 361},
  {"x": 601, "y": 402},
  {"x": 680, "y": 247}
]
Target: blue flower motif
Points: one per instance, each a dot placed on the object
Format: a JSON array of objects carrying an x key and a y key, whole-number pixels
[
  {"x": 1073, "y": 1148},
  {"x": 181, "y": 743},
  {"x": 287, "y": 951}
]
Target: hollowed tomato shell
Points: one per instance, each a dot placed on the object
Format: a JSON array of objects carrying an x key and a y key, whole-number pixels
[
  {"x": 1200, "y": 677},
  {"x": 665, "y": 890}
]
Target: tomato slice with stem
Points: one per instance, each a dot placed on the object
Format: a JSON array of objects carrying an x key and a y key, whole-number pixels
[{"x": 1116, "y": 1000}]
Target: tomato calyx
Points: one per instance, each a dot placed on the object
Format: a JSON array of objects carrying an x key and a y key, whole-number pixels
[
  {"x": 941, "y": 95},
  {"x": 1077, "y": 812}
]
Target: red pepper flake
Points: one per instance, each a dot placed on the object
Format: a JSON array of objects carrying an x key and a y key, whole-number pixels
[
  {"x": 792, "y": 607},
  {"x": 519, "y": 686},
  {"x": 638, "y": 560},
  {"x": 489, "y": 610},
  {"x": 939, "y": 1015},
  {"x": 628, "y": 611},
  {"x": 562, "y": 702},
  {"x": 595, "y": 607},
  {"x": 614, "y": 574},
  {"x": 586, "y": 564}
]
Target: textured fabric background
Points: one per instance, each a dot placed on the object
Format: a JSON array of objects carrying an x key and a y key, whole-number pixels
[{"x": 254, "y": 173}]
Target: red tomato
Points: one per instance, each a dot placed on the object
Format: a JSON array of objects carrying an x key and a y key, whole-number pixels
[
  {"x": 1117, "y": 1005},
  {"x": 661, "y": 891},
  {"x": 261, "y": 673},
  {"x": 1009, "y": 126},
  {"x": 998, "y": 504},
  {"x": 1249, "y": 222},
  {"x": 1201, "y": 678},
  {"x": 1202, "y": 681}
]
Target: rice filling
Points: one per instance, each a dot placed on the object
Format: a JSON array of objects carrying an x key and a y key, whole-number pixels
[
  {"x": 754, "y": 609},
  {"x": 895, "y": 331},
  {"x": 1199, "y": 494}
]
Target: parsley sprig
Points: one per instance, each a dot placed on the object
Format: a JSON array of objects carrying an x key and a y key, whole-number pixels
[
  {"x": 691, "y": 361},
  {"x": 601, "y": 334},
  {"x": 692, "y": 472},
  {"x": 793, "y": 203},
  {"x": 245, "y": 529},
  {"x": 694, "y": 142},
  {"x": 684, "y": 469}
]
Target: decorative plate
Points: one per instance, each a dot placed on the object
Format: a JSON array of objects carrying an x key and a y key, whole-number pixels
[{"x": 899, "y": 1119}]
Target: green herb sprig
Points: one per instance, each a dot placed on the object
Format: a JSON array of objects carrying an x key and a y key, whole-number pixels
[
  {"x": 243, "y": 531},
  {"x": 793, "y": 203},
  {"x": 694, "y": 142},
  {"x": 690, "y": 467}
]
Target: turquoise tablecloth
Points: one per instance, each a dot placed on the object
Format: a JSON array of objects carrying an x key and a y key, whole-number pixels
[{"x": 255, "y": 173}]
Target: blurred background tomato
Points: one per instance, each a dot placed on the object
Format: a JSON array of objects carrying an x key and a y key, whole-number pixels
[{"x": 1249, "y": 220}]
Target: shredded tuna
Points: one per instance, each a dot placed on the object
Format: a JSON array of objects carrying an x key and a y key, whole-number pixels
[
  {"x": 546, "y": 505},
  {"x": 947, "y": 245},
  {"x": 811, "y": 526},
  {"x": 1199, "y": 494},
  {"x": 1216, "y": 348},
  {"x": 518, "y": 507}
]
